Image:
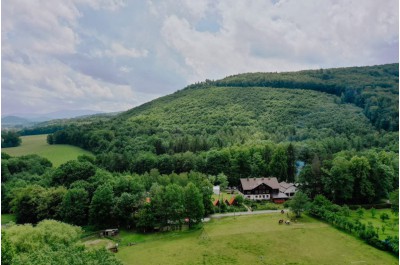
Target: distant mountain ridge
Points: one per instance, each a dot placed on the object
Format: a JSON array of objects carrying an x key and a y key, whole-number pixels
[
  {"x": 29, "y": 119},
  {"x": 14, "y": 120}
]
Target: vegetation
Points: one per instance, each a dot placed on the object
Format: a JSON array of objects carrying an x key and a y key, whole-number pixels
[
  {"x": 336, "y": 215},
  {"x": 7, "y": 218},
  {"x": 257, "y": 239},
  {"x": 50, "y": 242},
  {"x": 80, "y": 193},
  {"x": 299, "y": 203},
  {"x": 10, "y": 139},
  {"x": 334, "y": 132},
  {"x": 260, "y": 125},
  {"x": 36, "y": 144},
  {"x": 374, "y": 88}
]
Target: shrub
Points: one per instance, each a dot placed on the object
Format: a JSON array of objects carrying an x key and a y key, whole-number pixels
[
  {"x": 373, "y": 212},
  {"x": 384, "y": 217}
]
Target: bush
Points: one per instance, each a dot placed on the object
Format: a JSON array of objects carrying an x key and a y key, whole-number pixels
[
  {"x": 384, "y": 217},
  {"x": 373, "y": 212}
]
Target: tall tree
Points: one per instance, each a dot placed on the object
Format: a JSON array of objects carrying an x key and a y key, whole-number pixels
[
  {"x": 222, "y": 181},
  {"x": 363, "y": 188},
  {"x": 193, "y": 203},
  {"x": 72, "y": 171},
  {"x": 174, "y": 209},
  {"x": 145, "y": 219},
  {"x": 10, "y": 139},
  {"x": 279, "y": 165},
  {"x": 157, "y": 193},
  {"x": 338, "y": 182},
  {"x": 125, "y": 207},
  {"x": 75, "y": 206},
  {"x": 101, "y": 207},
  {"x": 291, "y": 163},
  {"x": 299, "y": 203},
  {"x": 26, "y": 202}
]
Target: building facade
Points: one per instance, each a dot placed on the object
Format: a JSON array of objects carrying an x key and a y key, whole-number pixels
[{"x": 263, "y": 189}]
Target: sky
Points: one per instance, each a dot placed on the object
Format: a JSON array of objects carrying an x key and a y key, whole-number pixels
[{"x": 112, "y": 55}]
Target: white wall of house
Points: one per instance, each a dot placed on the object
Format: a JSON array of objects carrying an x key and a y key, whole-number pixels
[{"x": 256, "y": 197}]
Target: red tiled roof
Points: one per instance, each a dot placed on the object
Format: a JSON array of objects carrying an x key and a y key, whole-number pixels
[{"x": 215, "y": 202}]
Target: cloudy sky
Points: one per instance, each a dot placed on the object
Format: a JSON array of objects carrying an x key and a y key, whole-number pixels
[{"x": 112, "y": 55}]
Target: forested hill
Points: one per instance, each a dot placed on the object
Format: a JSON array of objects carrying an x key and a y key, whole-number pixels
[
  {"x": 373, "y": 88},
  {"x": 219, "y": 115}
]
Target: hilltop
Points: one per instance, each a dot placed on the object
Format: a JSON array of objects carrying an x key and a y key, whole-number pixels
[{"x": 355, "y": 104}]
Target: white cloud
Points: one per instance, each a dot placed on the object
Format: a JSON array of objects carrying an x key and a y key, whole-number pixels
[
  {"x": 125, "y": 69},
  {"x": 115, "y": 54},
  {"x": 261, "y": 36},
  {"x": 117, "y": 49}
]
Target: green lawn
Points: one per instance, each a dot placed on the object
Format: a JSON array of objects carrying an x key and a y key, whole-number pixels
[
  {"x": 6, "y": 218},
  {"x": 257, "y": 239},
  {"x": 36, "y": 144},
  {"x": 224, "y": 195},
  {"x": 391, "y": 225}
]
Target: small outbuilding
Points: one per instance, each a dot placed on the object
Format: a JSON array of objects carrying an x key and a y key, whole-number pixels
[
  {"x": 216, "y": 190},
  {"x": 109, "y": 232}
]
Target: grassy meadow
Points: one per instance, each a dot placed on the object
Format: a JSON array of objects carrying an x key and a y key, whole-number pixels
[
  {"x": 6, "y": 218},
  {"x": 37, "y": 144},
  {"x": 257, "y": 239}
]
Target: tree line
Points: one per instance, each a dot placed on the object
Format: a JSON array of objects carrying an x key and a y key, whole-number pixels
[
  {"x": 80, "y": 193},
  {"x": 10, "y": 139},
  {"x": 351, "y": 177}
]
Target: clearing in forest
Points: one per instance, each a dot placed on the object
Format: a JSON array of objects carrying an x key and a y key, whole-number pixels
[{"x": 37, "y": 144}]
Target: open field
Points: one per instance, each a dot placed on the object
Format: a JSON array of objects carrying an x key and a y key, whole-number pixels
[
  {"x": 257, "y": 239},
  {"x": 37, "y": 144},
  {"x": 6, "y": 218},
  {"x": 391, "y": 225}
]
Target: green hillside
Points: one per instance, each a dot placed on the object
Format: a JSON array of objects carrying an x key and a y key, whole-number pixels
[
  {"x": 231, "y": 111},
  {"x": 259, "y": 125}
]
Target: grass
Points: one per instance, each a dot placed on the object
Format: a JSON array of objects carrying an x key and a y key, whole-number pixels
[
  {"x": 37, "y": 144},
  {"x": 257, "y": 239},
  {"x": 224, "y": 195},
  {"x": 6, "y": 218},
  {"x": 391, "y": 225}
]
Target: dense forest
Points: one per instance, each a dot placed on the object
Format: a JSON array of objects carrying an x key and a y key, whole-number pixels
[
  {"x": 374, "y": 88},
  {"x": 80, "y": 193},
  {"x": 300, "y": 127},
  {"x": 342, "y": 123}
]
